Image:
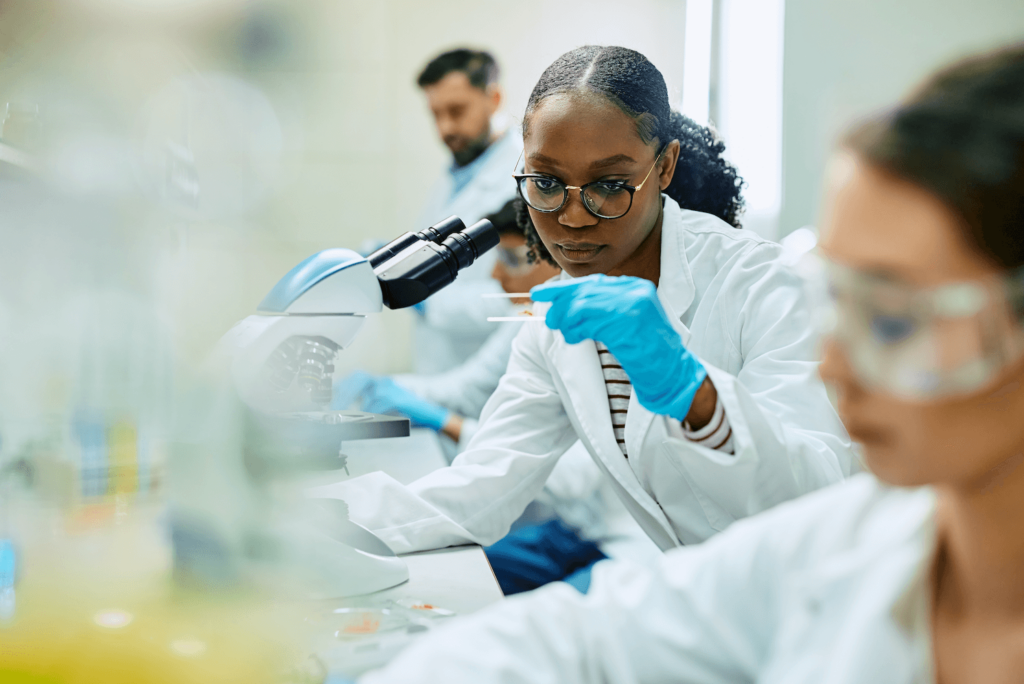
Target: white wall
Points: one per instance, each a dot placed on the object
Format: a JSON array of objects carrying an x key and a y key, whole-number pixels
[
  {"x": 358, "y": 150},
  {"x": 362, "y": 150},
  {"x": 322, "y": 132},
  {"x": 846, "y": 59}
]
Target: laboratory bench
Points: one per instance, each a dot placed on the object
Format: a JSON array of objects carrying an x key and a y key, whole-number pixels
[{"x": 457, "y": 578}]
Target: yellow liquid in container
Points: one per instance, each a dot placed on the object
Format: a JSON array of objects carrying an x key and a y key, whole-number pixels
[{"x": 101, "y": 607}]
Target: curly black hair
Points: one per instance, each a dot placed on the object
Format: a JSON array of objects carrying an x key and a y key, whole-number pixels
[{"x": 703, "y": 180}]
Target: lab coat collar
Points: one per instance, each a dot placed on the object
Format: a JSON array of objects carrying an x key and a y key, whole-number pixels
[
  {"x": 579, "y": 368},
  {"x": 481, "y": 161},
  {"x": 900, "y": 532},
  {"x": 883, "y": 579},
  {"x": 871, "y": 591},
  {"x": 675, "y": 287}
]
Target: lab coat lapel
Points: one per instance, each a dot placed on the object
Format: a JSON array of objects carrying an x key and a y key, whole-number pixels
[
  {"x": 675, "y": 286},
  {"x": 471, "y": 202},
  {"x": 676, "y": 292},
  {"x": 580, "y": 370}
]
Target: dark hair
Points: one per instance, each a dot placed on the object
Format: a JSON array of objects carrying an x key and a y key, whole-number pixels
[
  {"x": 703, "y": 180},
  {"x": 960, "y": 136},
  {"x": 479, "y": 67},
  {"x": 504, "y": 219}
]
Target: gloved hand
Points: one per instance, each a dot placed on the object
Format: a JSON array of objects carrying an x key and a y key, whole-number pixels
[
  {"x": 625, "y": 314},
  {"x": 384, "y": 395},
  {"x": 350, "y": 388},
  {"x": 387, "y": 396}
]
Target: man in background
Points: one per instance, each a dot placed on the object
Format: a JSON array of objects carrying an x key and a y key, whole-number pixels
[{"x": 462, "y": 91}]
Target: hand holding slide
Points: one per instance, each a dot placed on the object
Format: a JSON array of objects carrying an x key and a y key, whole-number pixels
[{"x": 625, "y": 314}]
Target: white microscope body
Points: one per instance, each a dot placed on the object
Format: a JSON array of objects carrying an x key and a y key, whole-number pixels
[
  {"x": 281, "y": 362},
  {"x": 313, "y": 312}
]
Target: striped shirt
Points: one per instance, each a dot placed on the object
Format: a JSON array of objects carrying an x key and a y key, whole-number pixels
[
  {"x": 717, "y": 434},
  {"x": 619, "y": 389}
]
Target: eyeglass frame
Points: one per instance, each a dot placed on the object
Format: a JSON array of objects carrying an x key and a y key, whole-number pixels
[{"x": 632, "y": 189}]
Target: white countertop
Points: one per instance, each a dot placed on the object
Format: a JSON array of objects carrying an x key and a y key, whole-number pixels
[
  {"x": 458, "y": 578},
  {"x": 403, "y": 458}
]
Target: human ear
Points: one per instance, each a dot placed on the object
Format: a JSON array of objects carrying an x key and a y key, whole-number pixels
[
  {"x": 494, "y": 97},
  {"x": 667, "y": 169}
]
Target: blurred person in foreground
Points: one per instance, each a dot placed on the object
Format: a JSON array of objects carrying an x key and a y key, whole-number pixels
[
  {"x": 575, "y": 520},
  {"x": 462, "y": 90},
  {"x": 910, "y": 574}
]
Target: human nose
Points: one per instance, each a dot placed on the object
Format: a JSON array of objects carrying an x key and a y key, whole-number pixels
[
  {"x": 575, "y": 214},
  {"x": 834, "y": 368},
  {"x": 445, "y": 124}
]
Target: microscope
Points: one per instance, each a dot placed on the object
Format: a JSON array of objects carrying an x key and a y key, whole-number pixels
[{"x": 281, "y": 362}]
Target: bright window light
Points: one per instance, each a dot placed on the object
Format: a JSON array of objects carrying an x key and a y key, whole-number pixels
[
  {"x": 697, "y": 59},
  {"x": 749, "y": 92}
]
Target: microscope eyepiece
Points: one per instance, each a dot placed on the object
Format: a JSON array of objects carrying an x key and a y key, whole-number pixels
[
  {"x": 467, "y": 246},
  {"x": 435, "y": 233},
  {"x": 439, "y": 231},
  {"x": 483, "y": 235},
  {"x": 430, "y": 261}
]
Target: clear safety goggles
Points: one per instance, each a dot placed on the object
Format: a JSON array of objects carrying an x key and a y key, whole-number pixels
[
  {"x": 919, "y": 343},
  {"x": 516, "y": 260}
]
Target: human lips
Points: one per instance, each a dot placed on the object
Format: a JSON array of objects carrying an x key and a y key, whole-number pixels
[{"x": 579, "y": 252}]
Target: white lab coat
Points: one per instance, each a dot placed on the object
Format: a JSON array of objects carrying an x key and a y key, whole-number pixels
[
  {"x": 745, "y": 317},
  {"x": 466, "y": 388},
  {"x": 576, "y": 491},
  {"x": 453, "y": 323},
  {"x": 829, "y": 589}
]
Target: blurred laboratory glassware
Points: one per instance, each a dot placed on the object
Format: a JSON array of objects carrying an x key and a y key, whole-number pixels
[{"x": 8, "y": 568}]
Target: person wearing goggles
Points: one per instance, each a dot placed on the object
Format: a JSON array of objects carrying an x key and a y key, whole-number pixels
[
  {"x": 910, "y": 573},
  {"x": 920, "y": 341}
]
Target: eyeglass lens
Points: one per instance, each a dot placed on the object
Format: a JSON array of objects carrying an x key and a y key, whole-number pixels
[{"x": 607, "y": 200}]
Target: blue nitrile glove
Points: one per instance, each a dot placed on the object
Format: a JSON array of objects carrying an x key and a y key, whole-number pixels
[
  {"x": 387, "y": 396},
  {"x": 350, "y": 388},
  {"x": 624, "y": 313}
]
